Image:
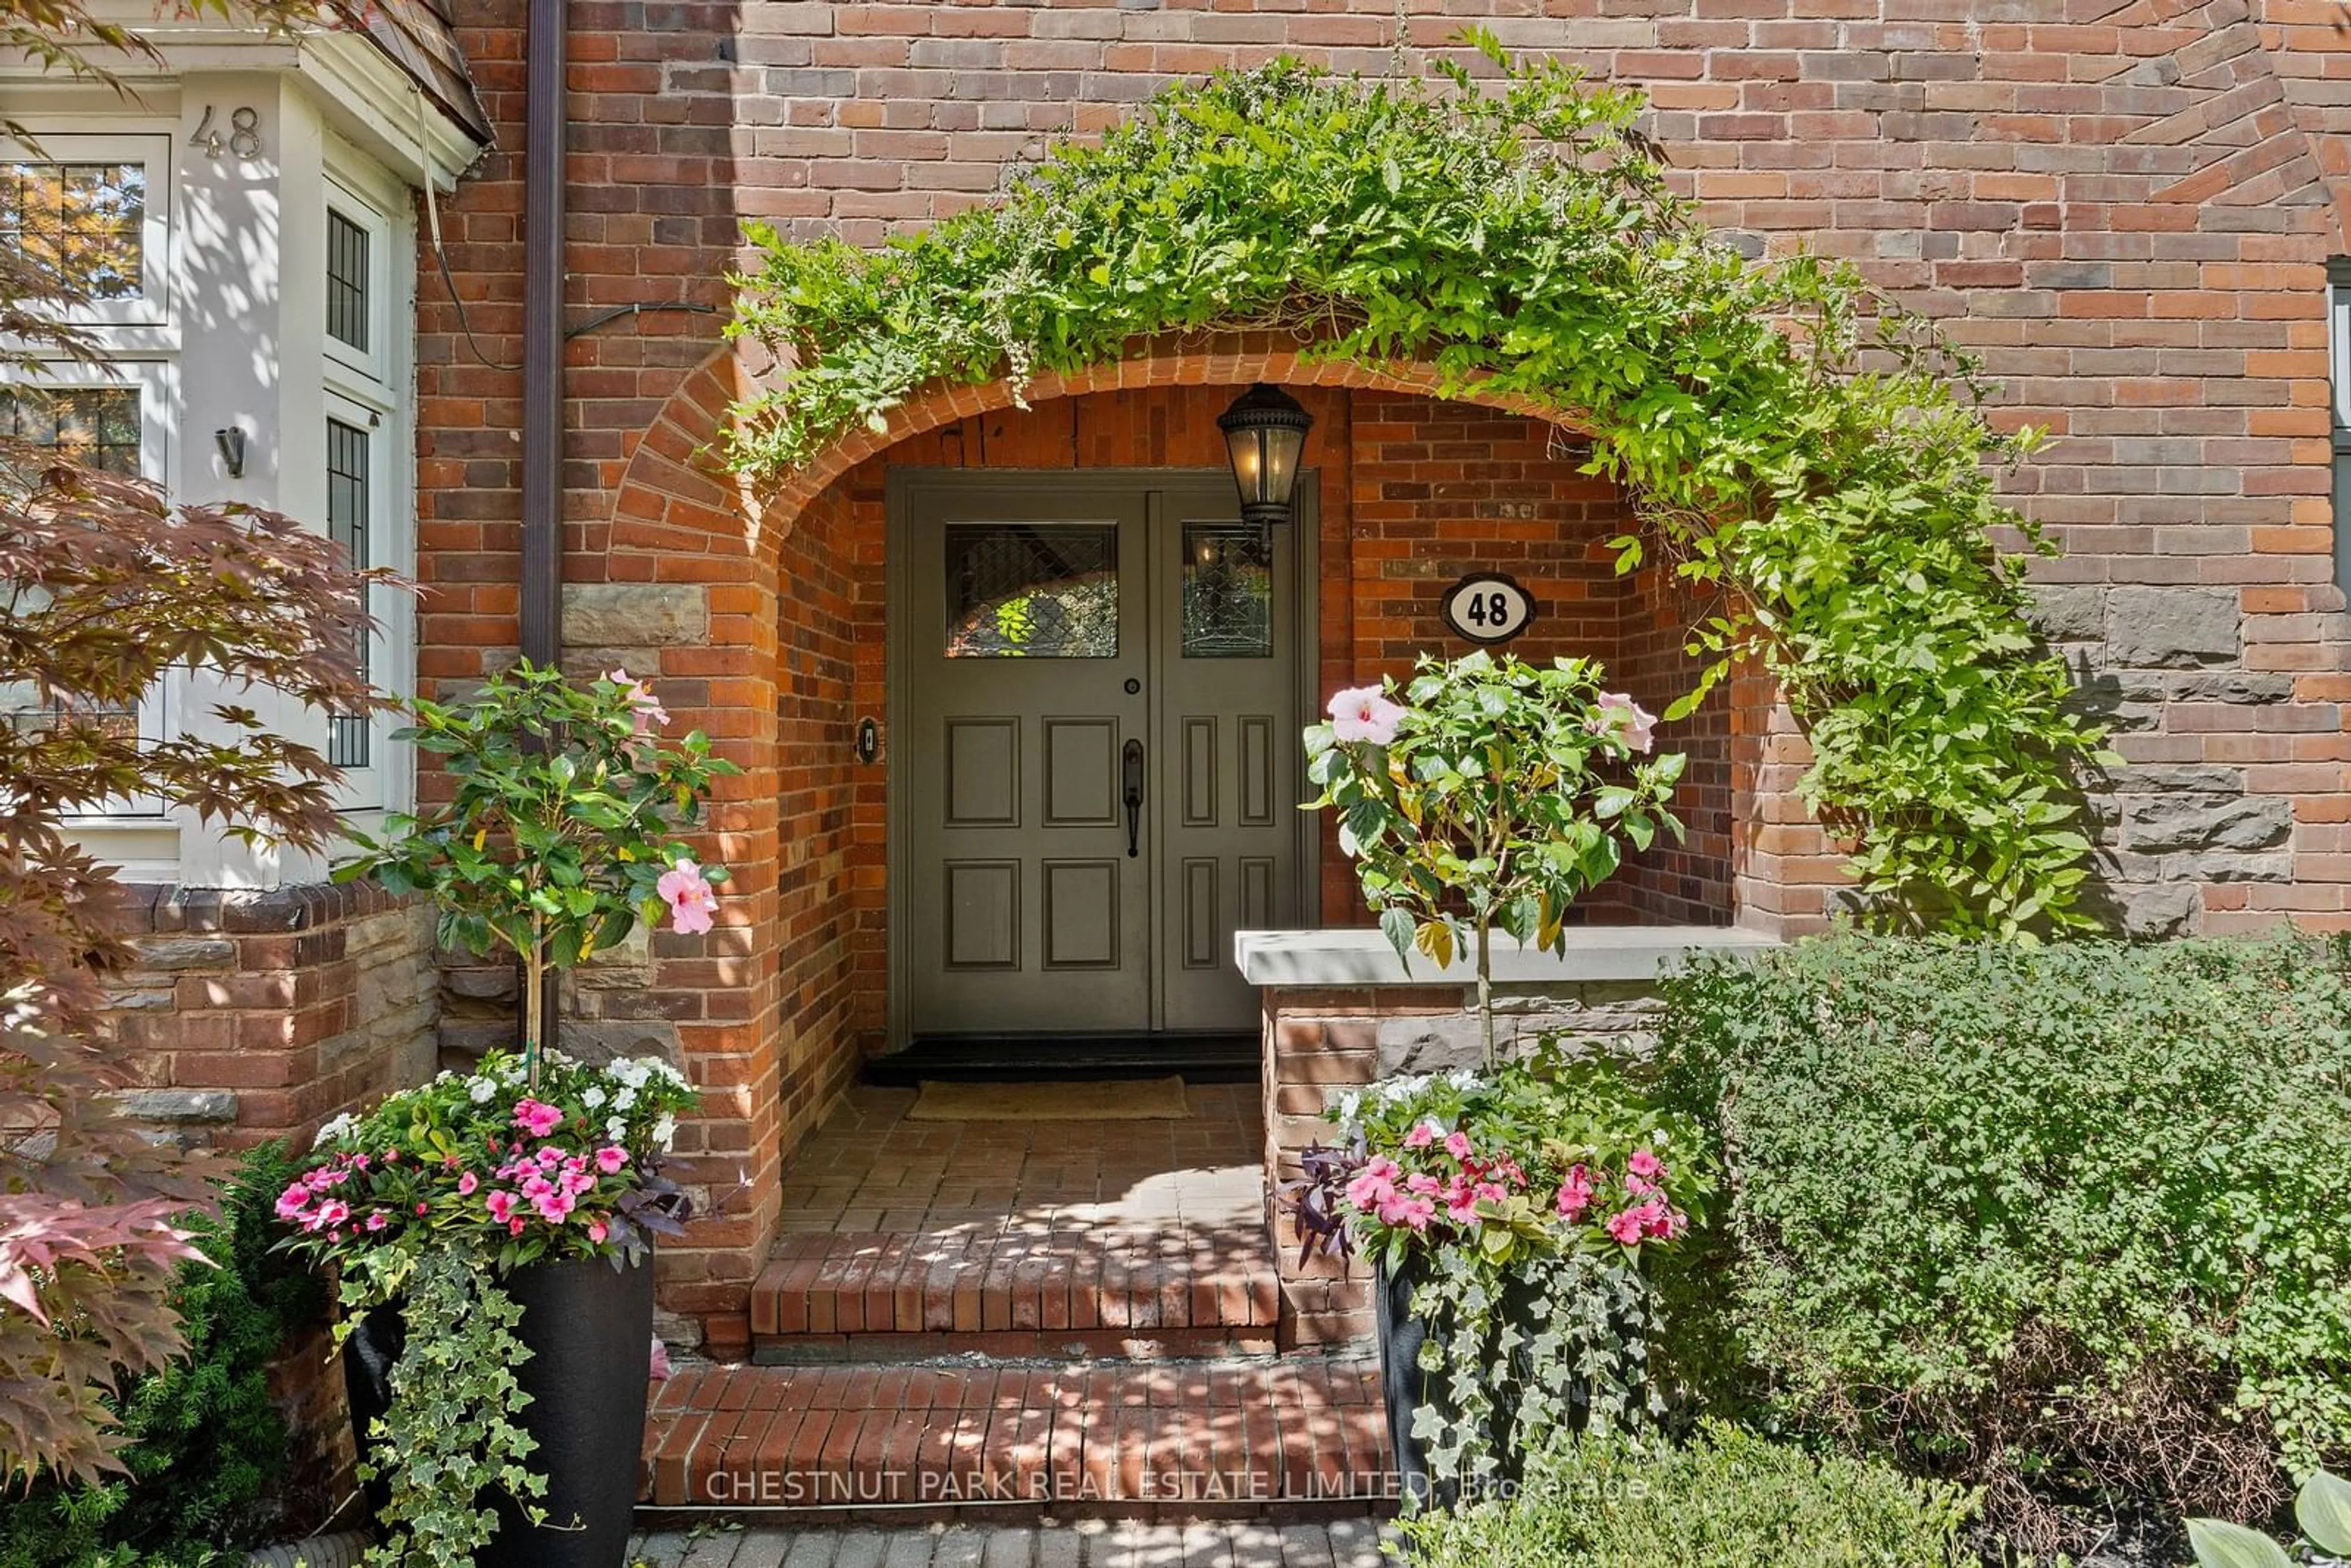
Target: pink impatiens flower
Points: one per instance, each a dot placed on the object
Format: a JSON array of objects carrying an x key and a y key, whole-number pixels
[
  {"x": 597, "y": 1230},
  {"x": 1422, "y": 1134},
  {"x": 1457, "y": 1143},
  {"x": 1575, "y": 1194},
  {"x": 537, "y": 1117},
  {"x": 1363, "y": 714},
  {"x": 332, "y": 1212},
  {"x": 1627, "y": 1225},
  {"x": 293, "y": 1200},
  {"x": 690, "y": 897},
  {"x": 649, "y": 710},
  {"x": 466, "y": 1184},
  {"x": 611, "y": 1158},
  {"x": 1622, "y": 718},
  {"x": 501, "y": 1205},
  {"x": 1374, "y": 1184}
]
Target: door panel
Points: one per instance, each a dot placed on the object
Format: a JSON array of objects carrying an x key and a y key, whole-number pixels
[
  {"x": 1226, "y": 679},
  {"x": 1026, "y": 618},
  {"x": 1038, "y": 901}
]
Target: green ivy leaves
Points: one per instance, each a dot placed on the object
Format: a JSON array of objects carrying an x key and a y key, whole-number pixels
[{"x": 1809, "y": 459}]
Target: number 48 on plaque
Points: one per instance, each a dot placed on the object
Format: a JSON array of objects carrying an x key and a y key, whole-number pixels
[{"x": 1487, "y": 607}]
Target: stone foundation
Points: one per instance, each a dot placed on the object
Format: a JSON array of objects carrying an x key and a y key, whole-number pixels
[{"x": 1341, "y": 1013}]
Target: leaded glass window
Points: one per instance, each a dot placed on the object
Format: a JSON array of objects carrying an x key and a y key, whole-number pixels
[
  {"x": 348, "y": 500},
  {"x": 1023, "y": 591},
  {"x": 1227, "y": 591},
  {"x": 83, "y": 224},
  {"x": 347, "y": 281}
]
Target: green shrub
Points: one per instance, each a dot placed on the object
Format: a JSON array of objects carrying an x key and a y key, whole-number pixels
[
  {"x": 1727, "y": 1499},
  {"x": 2070, "y": 1222},
  {"x": 207, "y": 1447}
]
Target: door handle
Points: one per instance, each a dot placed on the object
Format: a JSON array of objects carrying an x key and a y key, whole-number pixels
[{"x": 1131, "y": 761}]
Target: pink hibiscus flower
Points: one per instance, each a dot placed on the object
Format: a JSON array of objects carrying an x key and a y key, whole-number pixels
[
  {"x": 1623, "y": 720},
  {"x": 690, "y": 897},
  {"x": 649, "y": 710},
  {"x": 1365, "y": 714}
]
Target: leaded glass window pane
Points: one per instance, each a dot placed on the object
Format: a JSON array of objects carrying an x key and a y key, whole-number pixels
[
  {"x": 347, "y": 281},
  {"x": 1227, "y": 591},
  {"x": 84, "y": 224},
  {"x": 346, "y": 524},
  {"x": 96, "y": 427},
  {"x": 1023, "y": 591}
]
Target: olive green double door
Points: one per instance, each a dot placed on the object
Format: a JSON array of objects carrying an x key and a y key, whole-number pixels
[{"x": 1095, "y": 765}]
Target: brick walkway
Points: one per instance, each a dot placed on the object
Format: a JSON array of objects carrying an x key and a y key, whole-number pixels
[
  {"x": 1341, "y": 1543},
  {"x": 1121, "y": 1436}
]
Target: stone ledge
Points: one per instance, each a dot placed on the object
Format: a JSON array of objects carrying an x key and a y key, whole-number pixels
[
  {"x": 1346, "y": 958},
  {"x": 165, "y": 909}
]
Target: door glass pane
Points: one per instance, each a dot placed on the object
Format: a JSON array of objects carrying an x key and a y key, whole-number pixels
[
  {"x": 1227, "y": 593},
  {"x": 348, "y": 505},
  {"x": 1027, "y": 591}
]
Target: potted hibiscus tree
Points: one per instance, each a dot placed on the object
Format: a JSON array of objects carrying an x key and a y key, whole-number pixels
[
  {"x": 1504, "y": 1206},
  {"x": 1493, "y": 795},
  {"x": 492, "y": 1230}
]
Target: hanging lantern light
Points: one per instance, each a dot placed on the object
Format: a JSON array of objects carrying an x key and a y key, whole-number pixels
[{"x": 1265, "y": 433}]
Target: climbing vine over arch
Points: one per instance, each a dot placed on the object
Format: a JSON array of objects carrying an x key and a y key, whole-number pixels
[{"x": 1805, "y": 454}]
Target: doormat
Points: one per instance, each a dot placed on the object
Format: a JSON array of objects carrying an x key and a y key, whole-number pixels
[{"x": 1133, "y": 1100}]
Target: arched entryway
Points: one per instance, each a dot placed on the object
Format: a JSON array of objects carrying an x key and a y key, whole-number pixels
[{"x": 768, "y": 620}]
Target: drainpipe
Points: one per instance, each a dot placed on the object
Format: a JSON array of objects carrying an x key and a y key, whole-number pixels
[
  {"x": 544, "y": 128},
  {"x": 542, "y": 335}
]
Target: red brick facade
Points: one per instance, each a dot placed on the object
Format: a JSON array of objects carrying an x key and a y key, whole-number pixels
[{"x": 2124, "y": 207}]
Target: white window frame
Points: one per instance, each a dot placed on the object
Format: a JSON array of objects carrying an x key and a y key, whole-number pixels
[
  {"x": 151, "y": 306},
  {"x": 374, "y": 364},
  {"x": 362, "y": 390},
  {"x": 139, "y": 834}
]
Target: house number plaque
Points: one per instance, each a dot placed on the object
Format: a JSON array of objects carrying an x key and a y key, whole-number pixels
[{"x": 1487, "y": 607}]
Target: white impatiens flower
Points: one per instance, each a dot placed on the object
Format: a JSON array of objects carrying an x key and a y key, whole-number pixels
[
  {"x": 616, "y": 1129},
  {"x": 664, "y": 1130},
  {"x": 625, "y": 1100},
  {"x": 336, "y": 1129},
  {"x": 593, "y": 1098},
  {"x": 1462, "y": 1077},
  {"x": 480, "y": 1090}
]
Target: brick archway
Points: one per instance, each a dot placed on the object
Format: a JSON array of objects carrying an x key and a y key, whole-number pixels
[{"x": 755, "y": 604}]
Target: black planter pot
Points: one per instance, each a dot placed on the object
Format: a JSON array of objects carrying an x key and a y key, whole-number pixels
[
  {"x": 590, "y": 1330},
  {"x": 1407, "y": 1389}
]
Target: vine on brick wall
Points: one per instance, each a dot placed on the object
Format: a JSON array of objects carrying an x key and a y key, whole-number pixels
[{"x": 1804, "y": 453}]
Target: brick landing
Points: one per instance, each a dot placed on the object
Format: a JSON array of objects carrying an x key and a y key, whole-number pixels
[
  {"x": 1028, "y": 1239},
  {"x": 1172, "y": 1438}
]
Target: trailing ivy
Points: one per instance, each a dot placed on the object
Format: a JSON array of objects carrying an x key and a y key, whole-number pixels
[{"x": 1813, "y": 461}]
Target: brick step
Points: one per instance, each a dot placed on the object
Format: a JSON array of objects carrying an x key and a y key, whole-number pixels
[
  {"x": 910, "y": 1295},
  {"x": 1125, "y": 1439}
]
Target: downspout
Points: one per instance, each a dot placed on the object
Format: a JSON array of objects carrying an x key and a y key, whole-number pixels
[
  {"x": 543, "y": 334},
  {"x": 544, "y": 138}
]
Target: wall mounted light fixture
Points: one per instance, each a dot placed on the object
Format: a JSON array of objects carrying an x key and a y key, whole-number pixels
[
  {"x": 230, "y": 441},
  {"x": 1265, "y": 433}
]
